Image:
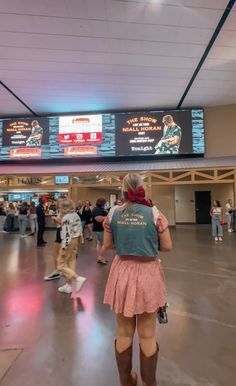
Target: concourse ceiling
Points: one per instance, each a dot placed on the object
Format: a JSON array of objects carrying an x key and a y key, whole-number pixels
[{"x": 61, "y": 56}]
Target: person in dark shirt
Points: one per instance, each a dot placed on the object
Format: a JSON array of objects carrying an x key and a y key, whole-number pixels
[
  {"x": 98, "y": 216},
  {"x": 41, "y": 223},
  {"x": 170, "y": 142},
  {"x": 2, "y": 217},
  {"x": 86, "y": 218}
]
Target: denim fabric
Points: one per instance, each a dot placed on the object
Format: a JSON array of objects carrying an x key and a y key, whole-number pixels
[{"x": 217, "y": 229}]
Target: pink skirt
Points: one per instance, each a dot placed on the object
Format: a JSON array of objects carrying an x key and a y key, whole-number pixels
[{"x": 135, "y": 287}]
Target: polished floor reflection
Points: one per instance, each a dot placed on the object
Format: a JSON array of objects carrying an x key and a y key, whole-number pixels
[{"x": 66, "y": 342}]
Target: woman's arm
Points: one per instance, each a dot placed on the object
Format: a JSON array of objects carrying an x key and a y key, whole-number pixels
[
  {"x": 165, "y": 241},
  {"x": 163, "y": 232},
  {"x": 108, "y": 240}
]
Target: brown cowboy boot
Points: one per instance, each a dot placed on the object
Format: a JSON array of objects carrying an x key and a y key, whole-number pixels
[
  {"x": 124, "y": 364},
  {"x": 148, "y": 366}
]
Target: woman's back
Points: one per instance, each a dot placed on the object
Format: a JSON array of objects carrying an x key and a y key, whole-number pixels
[
  {"x": 32, "y": 209},
  {"x": 23, "y": 209},
  {"x": 86, "y": 213},
  {"x": 134, "y": 230}
]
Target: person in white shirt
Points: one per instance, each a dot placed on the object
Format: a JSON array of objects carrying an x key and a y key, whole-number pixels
[
  {"x": 71, "y": 230},
  {"x": 217, "y": 220},
  {"x": 229, "y": 215}
]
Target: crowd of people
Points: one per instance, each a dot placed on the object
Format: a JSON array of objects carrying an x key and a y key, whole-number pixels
[{"x": 135, "y": 290}]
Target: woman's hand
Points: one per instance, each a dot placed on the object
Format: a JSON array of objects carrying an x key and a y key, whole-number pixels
[{"x": 165, "y": 241}]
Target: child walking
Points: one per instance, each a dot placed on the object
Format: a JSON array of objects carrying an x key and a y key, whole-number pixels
[{"x": 71, "y": 229}]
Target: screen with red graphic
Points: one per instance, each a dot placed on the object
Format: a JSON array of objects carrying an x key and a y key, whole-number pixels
[
  {"x": 80, "y": 129},
  {"x": 115, "y": 135}
]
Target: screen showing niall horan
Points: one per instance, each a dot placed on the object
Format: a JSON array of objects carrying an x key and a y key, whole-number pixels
[
  {"x": 123, "y": 134},
  {"x": 160, "y": 132},
  {"x": 24, "y": 138}
]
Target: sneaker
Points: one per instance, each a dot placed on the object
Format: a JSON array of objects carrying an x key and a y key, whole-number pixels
[
  {"x": 216, "y": 238},
  {"x": 80, "y": 282},
  {"x": 66, "y": 288},
  {"x": 220, "y": 239},
  {"x": 54, "y": 275}
]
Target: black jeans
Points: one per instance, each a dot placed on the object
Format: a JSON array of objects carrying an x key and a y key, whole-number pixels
[
  {"x": 41, "y": 228},
  {"x": 10, "y": 222}
]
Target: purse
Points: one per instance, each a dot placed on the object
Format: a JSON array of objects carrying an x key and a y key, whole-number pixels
[{"x": 162, "y": 314}]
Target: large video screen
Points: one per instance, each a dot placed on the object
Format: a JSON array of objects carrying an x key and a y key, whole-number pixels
[
  {"x": 132, "y": 134},
  {"x": 159, "y": 132}
]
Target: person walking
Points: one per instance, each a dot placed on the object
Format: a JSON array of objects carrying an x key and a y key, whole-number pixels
[
  {"x": 10, "y": 217},
  {"x": 136, "y": 288},
  {"x": 32, "y": 218},
  {"x": 98, "y": 216},
  {"x": 41, "y": 223},
  {"x": 71, "y": 229},
  {"x": 217, "y": 220},
  {"x": 23, "y": 219},
  {"x": 229, "y": 215}
]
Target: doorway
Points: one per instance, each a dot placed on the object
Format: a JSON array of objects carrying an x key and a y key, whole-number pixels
[{"x": 203, "y": 207}]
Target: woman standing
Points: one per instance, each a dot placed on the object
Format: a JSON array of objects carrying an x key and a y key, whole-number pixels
[
  {"x": 229, "y": 215},
  {"x": 217, "y": 220},
  {"x": 10, "y": 217},
  {"x": 2, "y": 217},
  {"x": 23, "y": 218},
  {"x": 86, "y": 218},
  {"x": 32, "y": 218},
  {"x": 136, "y": 289}
]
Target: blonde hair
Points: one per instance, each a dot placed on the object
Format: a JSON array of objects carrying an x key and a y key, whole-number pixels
[
  {"x": 133, "y": 182},
  {"x": 11, "y": 206},
  {"x": 67, "y": 206}
]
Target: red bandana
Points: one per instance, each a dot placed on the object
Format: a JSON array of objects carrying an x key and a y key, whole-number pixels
[{"x": 138, "y": 196}]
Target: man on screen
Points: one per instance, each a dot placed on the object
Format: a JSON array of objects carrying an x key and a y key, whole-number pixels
[
  {"x": 36, "y": 135},
  {"x": 170, "y": 142}
]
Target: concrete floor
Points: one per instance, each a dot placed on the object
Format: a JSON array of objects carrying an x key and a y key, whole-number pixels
[{"x": 59, "y": 342}]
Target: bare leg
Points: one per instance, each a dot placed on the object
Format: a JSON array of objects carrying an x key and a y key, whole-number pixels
[
  {"x": 55, "y": 252},
  {"x": 125, "y": 332},
  {"x": 90, "y": 231},
  {"x": 146, "y": 325}
]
